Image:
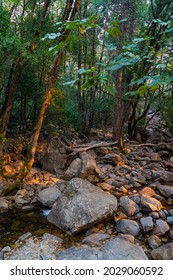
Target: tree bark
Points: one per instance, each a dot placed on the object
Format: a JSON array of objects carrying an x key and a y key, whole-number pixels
[{"x": 118, "y": 109}]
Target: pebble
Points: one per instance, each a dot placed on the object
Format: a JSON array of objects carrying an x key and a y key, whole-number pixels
[
  {"x": 154, "y": 241},
  {"x": 147, "y": 224},
  {"x": 160, "y": 228}
]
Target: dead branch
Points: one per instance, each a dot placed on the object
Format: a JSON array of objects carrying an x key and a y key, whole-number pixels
[
  {"x": 149, "y": 144},
  {"x": 84, "y": 148}
]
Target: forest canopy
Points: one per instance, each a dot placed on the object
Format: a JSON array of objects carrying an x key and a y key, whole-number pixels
[{"x": 84, "y": 64}]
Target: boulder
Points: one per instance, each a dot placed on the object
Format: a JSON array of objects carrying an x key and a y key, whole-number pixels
[
  {"x": 115, "y": 249},
  {"x": 48, "y": 196},
  {"x": 128, "y": 227},
  {"x": 129, "y": 206},
  {"x": 165, "y": 190},
  {"x": 81, "y": 206},
  {"x": 165, "y": 252},
  {"x": 73, "y": 170},
  {"x": 54, "y": 159},
  {"x": 89, "y": 169},
  {"x": 150, "y": 204},
  {"x": 147, "y": 224},
  {"x": 160, "y": 228}
]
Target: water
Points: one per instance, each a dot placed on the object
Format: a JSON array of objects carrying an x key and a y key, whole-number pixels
[{"x": 16, "y": 223}]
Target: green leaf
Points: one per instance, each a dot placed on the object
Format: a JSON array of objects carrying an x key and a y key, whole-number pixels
[
  {"x": 132, "y": 93},
  {"x": 51, "y": 36},
  {"x": 114, "y": 32},
  {"x": 115, "y": 67},
  {"x": 70, "y": 83}
]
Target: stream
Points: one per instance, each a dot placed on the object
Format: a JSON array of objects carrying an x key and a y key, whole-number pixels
[{"x": 13, "y": 224}]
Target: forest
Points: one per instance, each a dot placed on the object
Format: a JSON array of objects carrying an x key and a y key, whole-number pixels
[{"x": 86, "y": 128}]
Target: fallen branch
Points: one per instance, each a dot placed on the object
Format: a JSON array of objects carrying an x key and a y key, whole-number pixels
[
  {"x": 149, "y": 144},
  {"x": 82, "y": 148}
]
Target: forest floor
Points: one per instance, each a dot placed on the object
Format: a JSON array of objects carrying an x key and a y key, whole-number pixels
[{"x": 140, "y": 178}]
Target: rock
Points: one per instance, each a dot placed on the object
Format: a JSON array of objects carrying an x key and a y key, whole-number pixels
[
  {"x": 113, "y": 159},
  {"x": 167, "y": 191},
  {"x": 115, "y": 249},
  {"x": 54, "y": 159},
  {"x": 34, "y": 249},
  {"x": 73, "y": 170},
  {"x": 116, "y": 181},
  {"x": 147, "y": 224},
  {"x": 150, "y": 204},
  {"x": 3, "y": 205},
  {"x": 160, "y": 228},
  {"x": 154, "y": 215},
  {"x": 119, "y": 249},
  {"x": 129, "y": 206},
  {"x": 1, "y": 255},
  {"x": 128, "y": 227},
  {"x": 95, "y": 239},
  {"x": 6, "y": 249},
  {"x": 48, "y": 196},
  {"x": 25, "y": 236},
  {"x": 77, "y": 253},
  {"x": 126, "y": 237},
  {"x": 171, "y": 212},
  {"x": 147, "y": 191},
  {"x": 136, "y": 198},
  {"x": 19, "y": 201},
  {"x": 163, "y": 176},
  {"x": 169, "y": 220},
  {"x": 105, "y": 186},
  {"x": 165, "y": 252},
  {"x": 155, "y": 157},
  {"x": 154, "y": 241},
  {"x": 81, "y": 206},
  {"x": 89, "y": 169},
  {"x": 171, "y": 234},
  {"x": 48, "y": 236},
  {"x": 162, "y": 214},
  {"x": 139, "y": 179}
]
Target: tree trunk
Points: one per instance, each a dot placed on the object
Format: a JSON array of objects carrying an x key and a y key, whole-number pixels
[
  {"x": 118, "y": 109},
  {"x": 12, "y": 85},
  {"x": 72, "y": 10}
]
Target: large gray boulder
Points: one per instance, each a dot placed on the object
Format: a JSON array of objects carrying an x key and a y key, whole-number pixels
[
  {"x": 54, "y": 159},
  {"x": 115, "y": 249},
  {"x": 81, "y": 206}
]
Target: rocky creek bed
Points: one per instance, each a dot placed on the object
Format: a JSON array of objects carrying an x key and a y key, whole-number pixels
[{"x": 114, "y": 205}]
